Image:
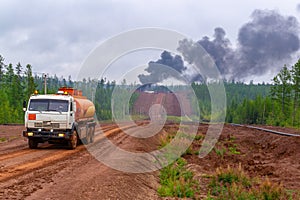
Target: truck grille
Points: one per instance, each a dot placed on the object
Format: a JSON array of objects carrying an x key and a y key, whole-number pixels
[
  {"x": 55, "y": 125},
  {"x": 38, "y": 124},
  {"x": 46, "y": 125}
]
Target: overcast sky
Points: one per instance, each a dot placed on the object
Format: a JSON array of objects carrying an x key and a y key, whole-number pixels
[{"x": 56, "y": 36}]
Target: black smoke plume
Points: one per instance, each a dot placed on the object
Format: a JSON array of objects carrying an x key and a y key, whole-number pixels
[
  {"x": 157, "y": 71},
  {"x": 264, "y": 44},
  {"x": 219, "y": 49}
]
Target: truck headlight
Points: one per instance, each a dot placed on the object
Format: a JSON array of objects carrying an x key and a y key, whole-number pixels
[
  {"x": 30, "y": 133},
  {"x": 61, "y": 135}
]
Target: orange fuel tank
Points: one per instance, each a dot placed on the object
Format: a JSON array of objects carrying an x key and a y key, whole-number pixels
[{"x": 84, "y": 108}]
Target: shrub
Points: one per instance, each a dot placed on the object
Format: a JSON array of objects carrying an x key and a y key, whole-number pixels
[
  {"x": 234, "y": 184},
  {"x": 176, "y": 181}
]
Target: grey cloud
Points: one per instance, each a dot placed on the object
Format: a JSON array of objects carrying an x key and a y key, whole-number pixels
[{"x": 51, "y": 34}]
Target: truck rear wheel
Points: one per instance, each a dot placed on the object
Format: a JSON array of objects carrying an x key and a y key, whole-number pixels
[
  {"x": 32, "y": 144},
  {"x": 92, "y": 134},
  {"x": 86, "y": 140},
  {"x": 72, "y": 144}
]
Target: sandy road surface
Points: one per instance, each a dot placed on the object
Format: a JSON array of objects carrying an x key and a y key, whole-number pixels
[{"x": 53, "y": 172}]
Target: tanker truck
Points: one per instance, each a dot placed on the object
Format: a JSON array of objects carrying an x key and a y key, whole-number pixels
[{"x": 65, "y": 118}]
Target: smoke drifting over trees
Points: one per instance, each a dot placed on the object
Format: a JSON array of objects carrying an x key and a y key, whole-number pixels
[
  {"x": 158, "y": 73},
  {"x": 219, "y": 49},
  {"x": 264, "y": 44},
  {"x": 265, "y": 41}
]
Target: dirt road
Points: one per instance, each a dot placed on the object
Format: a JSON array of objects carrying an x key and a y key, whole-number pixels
[{"x": 53, "y": 172}]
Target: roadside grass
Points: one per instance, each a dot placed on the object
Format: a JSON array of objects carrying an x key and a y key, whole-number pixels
[
  {"x": 233, "y": 149},
  {"x": 199, "y": 137},
  {"x": 139, "y": 117},
  {"x": 234, "y": 183},
  {"x": 220, "y": 152},
  {"x": 189, "y": 151},
  {"x": 226, "y": 183},
  {"x": 179, "y": 119},
  {"x": 165, "y": 140},
  {"x": 177, "y": 181},
  {"x": 227, "y": 149}
]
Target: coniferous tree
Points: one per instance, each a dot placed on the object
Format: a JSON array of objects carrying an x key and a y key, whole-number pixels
[
  {"x": 8, "y": 79},
  {"x": 70, "y": 82},
  {"x": 2, "y": 66},
  {"x": 295, "y": 72},
  {"x": 30, "y": 85},
  {"x": 282, "y": 88}
]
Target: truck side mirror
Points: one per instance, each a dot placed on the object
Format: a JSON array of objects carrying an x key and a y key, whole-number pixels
[{"x": 24, "y": 105}]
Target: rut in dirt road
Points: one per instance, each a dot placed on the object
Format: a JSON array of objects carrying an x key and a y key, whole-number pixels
[
  {"x": 39, "y": 169},
  {"x": 24, "y": 161}
]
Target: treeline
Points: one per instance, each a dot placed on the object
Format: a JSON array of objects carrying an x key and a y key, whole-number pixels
[
  {"x": 280, "y": 107},
  {"x": 286, "y": 94},
  {"x": 236, "y": 93},
  {"x": 273, "y": 104},
  {"x": 101, "y": 93},
  {"x": 16, "y": 84},
  {"x": 246, "y": 101}
]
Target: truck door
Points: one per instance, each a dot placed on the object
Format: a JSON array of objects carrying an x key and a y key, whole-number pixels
[{"x": 72, "y": 113}]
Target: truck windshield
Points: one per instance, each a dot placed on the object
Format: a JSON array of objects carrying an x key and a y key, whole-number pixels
[{"x": 48, "y": 105}]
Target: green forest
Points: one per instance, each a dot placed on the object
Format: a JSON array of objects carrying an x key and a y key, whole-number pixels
[{"x": 275, "y": 103}]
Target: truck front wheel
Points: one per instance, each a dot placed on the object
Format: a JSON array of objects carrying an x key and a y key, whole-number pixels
[
  {"x": 32, "y": 144},
  {"x": 73, "y": 142}
]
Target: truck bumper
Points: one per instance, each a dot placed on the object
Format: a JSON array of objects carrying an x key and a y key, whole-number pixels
[{"x": 48, "y": 135}]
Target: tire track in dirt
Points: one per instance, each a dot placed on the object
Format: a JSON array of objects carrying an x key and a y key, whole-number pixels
[
  {"x": 15, "y": 154},
  {"x": 28, "y": 157},
  {"x": 52, "y": 156},
  {"x": 42, "y": 148},
  {"x": 22, "y": 152},
  {"x": 20, "y": 146},
  {"x": 91, "y": 179},
  {"x": 71, "y": 172}
]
